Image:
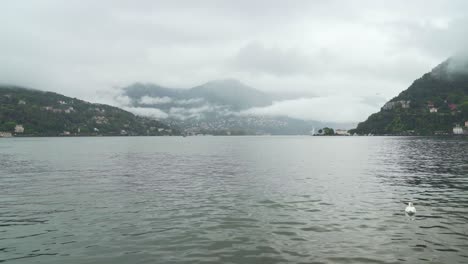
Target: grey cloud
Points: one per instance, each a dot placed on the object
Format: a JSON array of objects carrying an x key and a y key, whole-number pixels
[
  {"x": 325, "y": 48},
  {"x": 149, "y": 112},
  {"x": 189, "y": 101},
  {"x": 327, "y": 109},
  {"x": 195, "y": 112},
  {"x": 256, "y": 58},
  {"x": 155, "y": 100},
  {"x": 458, "y": 64}
]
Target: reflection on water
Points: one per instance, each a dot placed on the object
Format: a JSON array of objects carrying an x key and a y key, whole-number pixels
[{"x": 233, "y": 200}]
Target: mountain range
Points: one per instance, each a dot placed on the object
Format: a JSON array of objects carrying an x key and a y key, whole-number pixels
[
  {"x": 229, "y": 93},
  {"x": 216, "y": 107}
]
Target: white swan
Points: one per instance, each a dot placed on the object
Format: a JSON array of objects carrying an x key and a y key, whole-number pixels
[{"x": 410, "y": 209}]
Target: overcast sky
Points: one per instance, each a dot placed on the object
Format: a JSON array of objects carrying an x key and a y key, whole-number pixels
[{"x": 354, "y": 55}]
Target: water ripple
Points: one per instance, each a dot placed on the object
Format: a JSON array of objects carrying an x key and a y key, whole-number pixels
[{"x": 233, "y": 200}]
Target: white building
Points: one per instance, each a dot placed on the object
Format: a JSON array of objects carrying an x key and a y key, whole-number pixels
[
  {"x": 19, "y": 129},
  {"x": 466, "y": 123},
  {"x": 342, "y": 132},
  {"x": 5, "y": 134},
  {"x": 458, "y": 130},
  {"x": 433, "y": 110},
  {"x": 69, "y": 110}
]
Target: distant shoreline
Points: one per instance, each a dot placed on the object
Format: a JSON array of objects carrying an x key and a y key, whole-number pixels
[{"x": 97, "y": 136}]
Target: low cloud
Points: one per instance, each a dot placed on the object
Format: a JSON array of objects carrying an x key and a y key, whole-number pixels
[
  {"x": 189, "y": 101},
  {"x": 121, "y": 100},
  {"x": 155, "y": 100},
  {"x": 148, "y": 112},
  {"x": 327, "y": 109},
  {"x": 185, "y": 113},
  {"x": 459, "y": 64}
]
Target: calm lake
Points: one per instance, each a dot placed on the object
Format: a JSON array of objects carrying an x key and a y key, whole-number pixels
[{"x": 233, "y": 200}]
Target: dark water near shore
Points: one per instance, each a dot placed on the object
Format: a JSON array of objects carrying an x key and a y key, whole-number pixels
[{"x": 233, "y": 200}]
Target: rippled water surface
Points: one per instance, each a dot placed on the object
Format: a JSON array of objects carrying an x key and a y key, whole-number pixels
[{"x": 233, "y": 200}]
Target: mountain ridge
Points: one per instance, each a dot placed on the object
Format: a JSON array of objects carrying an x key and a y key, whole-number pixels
[
  {"x": 433, "y": 104},
  {"x": 215, "y": 107},
  {"x": 226, "y": 92}
]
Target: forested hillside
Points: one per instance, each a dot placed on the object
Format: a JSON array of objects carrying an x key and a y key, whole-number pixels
[
  {"x": 50, "y": 114},
  {"x": 433, "y": 104}
]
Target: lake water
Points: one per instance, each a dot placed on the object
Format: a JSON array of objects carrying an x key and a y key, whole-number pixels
[{"x": 233, "y": 200}]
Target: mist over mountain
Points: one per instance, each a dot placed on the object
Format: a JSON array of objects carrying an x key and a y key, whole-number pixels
[
  {"x": 221, "y": 106},
  {"x": 230, "y": 93}
]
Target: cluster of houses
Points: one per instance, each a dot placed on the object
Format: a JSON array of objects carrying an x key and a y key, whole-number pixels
[
  {"x": 67, "y": 110},
  {"x": 62, "y": 109},
  {"x": 406, "y": 104},
  {"x": 433, "y": 109},
  {"x": 458, "y": 129}
]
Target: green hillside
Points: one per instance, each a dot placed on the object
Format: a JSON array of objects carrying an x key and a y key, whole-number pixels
[
  {"x": 433, "y": 104},
  {"x": 51, "y": 114}
]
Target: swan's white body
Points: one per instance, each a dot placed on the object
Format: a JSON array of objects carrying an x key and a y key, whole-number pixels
[{"x": 410, "y": 209}]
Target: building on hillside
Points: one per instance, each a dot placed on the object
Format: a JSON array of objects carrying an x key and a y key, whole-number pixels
[
  {"x": 458, "y": 130},
  {"x": 433, "y": 110},
  {"x": 69, "y": 110},
  {"x": 5, "y": 134},
  {"x": 466, "y": 123},
  {"x": 19, "y": 129},
  {"x": 452, "y": 107},
  {"x": 101, "y": 120},
  {"x": 21, "y": 102}
]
